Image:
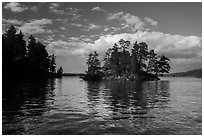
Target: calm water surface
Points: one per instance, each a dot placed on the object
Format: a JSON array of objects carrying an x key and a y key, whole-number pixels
[{"x": 72, "y": 106}]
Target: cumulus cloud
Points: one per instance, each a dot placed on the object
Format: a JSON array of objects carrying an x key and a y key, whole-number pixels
[
  {"x": 19, "y": 7},
  {"x": 176, "y": 47},
  {"x": 74, "y": 12},
  {"x": 62, "y": 28},
  {"x": 106, "y": 29},
  {"x": 12, "y": 21},
  {"x": 92, "y": 26},
  {"x": 182, "y": 50},
  {"x": 114, "y": 16},
  {"x": 131, "y": 21},
  {"x": 54, "y": 8},
  {"x": 151, "y": 21},
  {"x": 35, "y": 8},
  {"x": 15, "y": 7},
  {"x": 36, "y": 26},
  {"x": 74, "y": 38},
  {"x": 76, "y": 25},
  {"x": 64, "y": 48},
  {"x": 98, "y": 9}
]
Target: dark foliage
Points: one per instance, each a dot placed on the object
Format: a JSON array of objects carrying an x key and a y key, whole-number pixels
[
  {"x": 121, "y": 62},
  {"x": 25, "y": 60}
]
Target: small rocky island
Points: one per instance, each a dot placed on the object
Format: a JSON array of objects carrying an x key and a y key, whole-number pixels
[{"x": 121, "y": 62}]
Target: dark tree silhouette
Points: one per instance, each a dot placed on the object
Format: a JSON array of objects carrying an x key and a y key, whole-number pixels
[
  {"x": 93, "y": 63},
  {"x": 106, "y": 68},
  {"x": 23, "y": 60},
  {"x": 52, "y": 63},
  {"x": 94, "y": 68},
  {"x": 125, "y": 57},
  {"x": 21, "y": 48},
  {"x": 152, "y": 61},
  {"x": 60, "y": 71},
  {"x": 139, "y": 63},
  {"x": 162, "y": 65}
]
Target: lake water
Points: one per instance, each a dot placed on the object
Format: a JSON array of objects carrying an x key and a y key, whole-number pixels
[{"x": 72, "y": 106}]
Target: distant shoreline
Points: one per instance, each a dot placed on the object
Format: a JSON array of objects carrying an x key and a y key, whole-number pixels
[{"x": 191, "y": 73}]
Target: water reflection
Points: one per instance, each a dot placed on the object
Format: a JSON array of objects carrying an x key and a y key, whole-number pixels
[
  {"x": 71, "y": 106},
  {"x": 127, "y": 99},
  {"x": 23, "y": 102}
]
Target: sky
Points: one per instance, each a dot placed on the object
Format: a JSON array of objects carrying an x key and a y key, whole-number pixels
[{"x": 72, "y": 30}]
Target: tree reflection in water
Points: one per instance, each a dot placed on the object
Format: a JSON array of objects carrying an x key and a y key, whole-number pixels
[
  {"x": 127, "y": 99},
  {"x": 25, "y": 102}
]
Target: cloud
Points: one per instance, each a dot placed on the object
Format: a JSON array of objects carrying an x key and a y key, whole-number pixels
[
  {"x": 106, "y": 29},
  {"x": 12, "y": 21},
  {"x": 151, "y": 21},
  {"x": 76, "y": 25},
  {"x": 54, "y": 8},
  {"x": 74, "y": 12},
  {"x": 19, "y": 7},
  {"x": 15, "y": 7},
  {"x": 89, "y": 27},
  {"x": 34, "y": 8},
  {"x": 182, "y": 50},
  {"x": 63, "y": 48},
  {"x": 131, "y": 22},
  {"x": 36, "y": 26},
  {"x": 114, "y": 16},
  {"x": 92, "y": 26},
  {"x": 74, "y": 39},
  {"x": 98, "y": 9},
  {"x": 173, "y": 46},
  {"x": 62, "y": 28}
]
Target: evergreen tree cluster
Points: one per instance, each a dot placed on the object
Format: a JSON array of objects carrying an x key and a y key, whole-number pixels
[
  {"x": 21, "y": 58},
  {"x": 121, "y": 61}
]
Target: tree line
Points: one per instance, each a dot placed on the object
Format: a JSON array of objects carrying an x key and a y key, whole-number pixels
[
  {"x": 121, "y": 61},
  {"x": 21, "y": 58}
]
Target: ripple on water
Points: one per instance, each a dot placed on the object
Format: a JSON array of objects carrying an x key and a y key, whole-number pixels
[{"x": 69, "y": 106}]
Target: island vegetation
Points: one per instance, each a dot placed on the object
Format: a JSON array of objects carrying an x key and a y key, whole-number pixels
[
  {"x": 22, "y": 58},
  {"x": 121, "y": 62}
]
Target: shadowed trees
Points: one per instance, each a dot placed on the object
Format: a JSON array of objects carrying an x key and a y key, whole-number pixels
[{"x": 21, "y": 59}]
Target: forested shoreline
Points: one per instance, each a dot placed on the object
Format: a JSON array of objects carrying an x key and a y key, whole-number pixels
[
  {"x": 122, "y": 62},
  {"x": 31, "y": 59},
  {"x": 24, "y": 59}
]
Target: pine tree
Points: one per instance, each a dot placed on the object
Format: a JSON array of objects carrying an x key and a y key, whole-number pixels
[
  {"x": 93, "y": 63},
  {"x": 60, "y": 71},
  {"x": 42, "y": 57},
  {"x": 32, "y": 56},
  {"x": 135, "y": 59},
  {"x": 10, "y": 42},
  {"x": 125, "y": 57},
  {"x": 115, "y": 60},
  {"x": 163, "y": 65},
  {"x": 21, "y": 46},
  {"x": 107, "y": 65},
  {"x": 152, "y": 61},
  {"x": 52, "y": 66}
]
